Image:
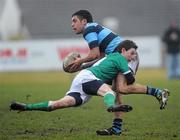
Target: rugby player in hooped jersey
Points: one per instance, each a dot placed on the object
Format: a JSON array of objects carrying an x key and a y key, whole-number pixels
[{"x": 102, "y": 41}]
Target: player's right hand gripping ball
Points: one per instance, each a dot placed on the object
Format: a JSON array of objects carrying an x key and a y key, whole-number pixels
[{"x": 68, "y": 61}]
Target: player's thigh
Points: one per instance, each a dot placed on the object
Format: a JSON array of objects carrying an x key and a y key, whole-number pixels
[
  {"x": 121, "y": 83},
  {"x": 96, "y": 87},
  {"x": 91, "y": 87},
  {"x": 120, "y": 80},
  {"x": 76, "y": 89}
]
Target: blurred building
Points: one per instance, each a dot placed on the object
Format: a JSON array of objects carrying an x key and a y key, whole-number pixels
[
  {"x": 46, "y": 23},
  {"x": 52, "y": 18}
]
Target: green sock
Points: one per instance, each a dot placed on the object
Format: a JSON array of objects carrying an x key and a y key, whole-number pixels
[
  {"x": 109, "y": 99},
  {"x": 43, "y": 106}
]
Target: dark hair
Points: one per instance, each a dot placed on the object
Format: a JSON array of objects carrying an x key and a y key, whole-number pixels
[
  {"x": 84, "y": 14},
  {"x": 127, "y": 44}
]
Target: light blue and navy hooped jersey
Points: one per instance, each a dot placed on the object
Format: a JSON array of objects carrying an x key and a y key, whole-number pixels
[{"x": 99, "y": 36}]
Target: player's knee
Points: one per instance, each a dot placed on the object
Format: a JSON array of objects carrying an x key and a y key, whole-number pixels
[
  {"x": 69, "y": 102},
  {"x": 62, "y": 103}
]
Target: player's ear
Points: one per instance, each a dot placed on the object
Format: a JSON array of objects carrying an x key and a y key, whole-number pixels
[
  {"x": 123, "y": 50},
  {"x": 84, "y": 21}
]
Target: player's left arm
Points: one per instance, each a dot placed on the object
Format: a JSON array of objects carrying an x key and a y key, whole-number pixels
[
  {"x": 93, "y": 55},
  {"x": 129, "y": 78},
  {"x": 91, "y": 37},
  {"x": 89, "y": 64},
  {"x": 124, "y": 69}
]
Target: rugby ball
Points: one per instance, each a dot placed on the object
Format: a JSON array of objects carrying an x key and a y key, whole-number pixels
[{"x": 69, "y": 59}]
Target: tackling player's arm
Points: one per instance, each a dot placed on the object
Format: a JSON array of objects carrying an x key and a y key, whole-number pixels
[
  {"x": 129, "y": 78},
  {"x": 124, "y": 69}
]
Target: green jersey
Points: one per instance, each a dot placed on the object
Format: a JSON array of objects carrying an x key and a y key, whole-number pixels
[{"x": 107, "y": 68}]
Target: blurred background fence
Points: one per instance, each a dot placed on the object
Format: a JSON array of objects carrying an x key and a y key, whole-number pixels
[{"x": 33, "y": 33}]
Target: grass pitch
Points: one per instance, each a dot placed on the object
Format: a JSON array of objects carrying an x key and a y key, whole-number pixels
[{"x": 146, "y": 121}]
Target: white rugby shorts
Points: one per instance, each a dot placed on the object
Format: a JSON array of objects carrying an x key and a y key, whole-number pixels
[{"x": 76, "y": 86}]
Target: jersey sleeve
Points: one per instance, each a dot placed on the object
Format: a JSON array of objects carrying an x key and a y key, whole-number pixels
[
  {"x": 91, "y": 36},
  {"x": 122, "y": 65}
]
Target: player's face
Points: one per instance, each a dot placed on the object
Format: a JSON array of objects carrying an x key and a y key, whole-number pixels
[
  {"x": 129, "y": 54},
  {"x": 78, "y": 24}
]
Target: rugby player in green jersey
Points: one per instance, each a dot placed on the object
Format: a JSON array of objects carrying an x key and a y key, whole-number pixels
[{"x": 92, "y": 81}]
